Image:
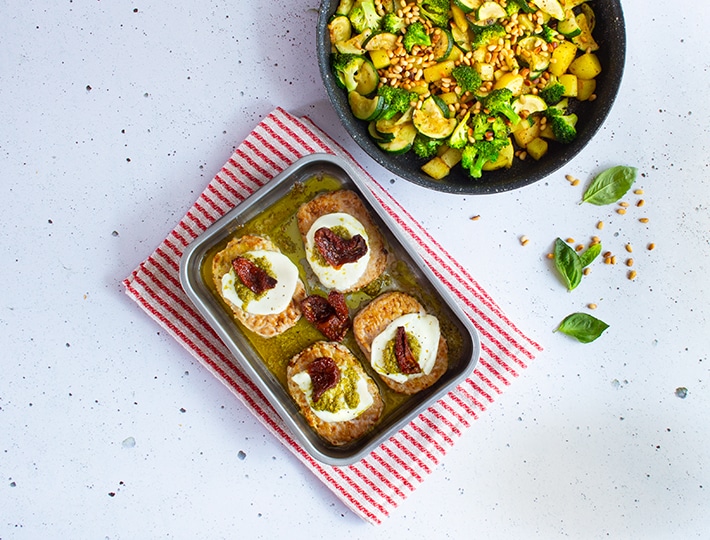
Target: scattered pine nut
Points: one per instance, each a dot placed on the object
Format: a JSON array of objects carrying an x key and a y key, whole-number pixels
[
  {"x": 579, "y": 247},
  {"x": 624, "y": 204},
  {"x": 600, "y": 225},
  {"x": 592, "y": 306},
  {"x": 607, "y": 254},
  {"x": 613, "y": 259},
  {"x": 651, "y": 246},
  {"x": 629, "y": 262},
  {"x": 621, "y": 211},
  {"x": 595, "y": 240},
  {"x": 629, "y": 248},
  {"x": 643, "y": 220},
  {"x": 632, "y": 274},
  {"x": 574, "y": 182},
  {"x": 586, "y": 271},
  {"x": 475, "y": 218},
  {"x": 570, "y": 240},
  {"x": 550, "y": 255},
  {"x": 524, "y": 240},
  {"x": 570, "y": 178},
  {"x": 640, "y": 203},
  {"x": 638, "y": 191}
]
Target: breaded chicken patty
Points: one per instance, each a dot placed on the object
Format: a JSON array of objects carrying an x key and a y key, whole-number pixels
[
  {"x": 372, "y": 321},
  {"x": 268, "y": 325},
  {"x": 349, "y": 203},
  {"x": 336, "y": 432}
]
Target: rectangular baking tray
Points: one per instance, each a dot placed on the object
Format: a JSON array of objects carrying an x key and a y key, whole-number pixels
[{"x": 220, "y": 318}]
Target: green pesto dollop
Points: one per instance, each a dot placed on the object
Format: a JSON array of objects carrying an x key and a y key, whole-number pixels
[
  {"x": 389, "y": 360},
  {"x": 244, "y": 293},
  {"x": 343, "y": 395}
]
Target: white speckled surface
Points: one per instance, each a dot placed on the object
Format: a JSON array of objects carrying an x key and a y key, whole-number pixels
[{"x": 114, "y": 117}]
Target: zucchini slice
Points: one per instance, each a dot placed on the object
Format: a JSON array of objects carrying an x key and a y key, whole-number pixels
[
  {"x": 365, "y": 108},
  {"x": 551, "y": 7},
  {"x": 530, "y": 103},
  {"x": 569, "y": 26},
  {"x": 432, "y": 119},
  {"x": 376, "y": 135},
  {"x": 489, "y": 12},
  {"x": 442, "y": 44},
  {"x": 531, "y": 55},
  {"x": 339, "y": 29},
  {"x": 402, "y": 141},
  {"x": 383, "y": 41},
  {"x": 467, "y": 6}
]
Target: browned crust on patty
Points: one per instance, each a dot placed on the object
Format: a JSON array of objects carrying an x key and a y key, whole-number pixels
[
  {"x": 372, "y": 321},
  {"x": 348, "y": 202},
  {"x": 264, "y": 325},
  {"x": 336, "y": 433}
]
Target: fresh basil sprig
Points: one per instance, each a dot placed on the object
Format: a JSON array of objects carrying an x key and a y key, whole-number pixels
[
  {"x": 570, "y": 265},
  {"x": 583, "y": 327},
  {"x": 610, "y": 185}
]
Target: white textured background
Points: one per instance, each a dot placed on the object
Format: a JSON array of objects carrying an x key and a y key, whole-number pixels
[{"x": 115, "y": 115}]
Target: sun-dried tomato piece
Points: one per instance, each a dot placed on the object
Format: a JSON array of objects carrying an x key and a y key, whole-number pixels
[
  {"x": 403, "y": 353},
  {"x": 324, "y": 375},
  {"x": 329, "y": 315},
  {"x": 336, "y": 250},
  {"x": 253, "y": 277}
]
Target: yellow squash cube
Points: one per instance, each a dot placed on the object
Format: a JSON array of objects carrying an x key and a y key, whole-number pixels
[
  {"x": 569, "y": 81},
  {"x": 586, "y": 66},
  {"x": 436, "y": 168},
  {"x": 585, "y": 88},
  {"x": 562, "y": 57}
]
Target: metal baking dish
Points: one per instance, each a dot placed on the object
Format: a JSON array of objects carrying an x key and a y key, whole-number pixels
[{"x": 269, "y": 201}]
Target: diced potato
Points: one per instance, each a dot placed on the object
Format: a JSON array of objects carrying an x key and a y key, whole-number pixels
[
  {"x": 512, "y": 81},
  {"x": 537, "y": 148},
  {"x": 546, "y": 132},
  {"x": 436, "y": 168},
  {"x": 449, "y": 97},
  {"x": 451, "y": 157},
  {"x": 585, "y": 88},
  {"x": 438, "y": 71},
  {"x": 526, "y": 130},
  {"x": 505, "y": 159},
  {"x": 380, "y": 59},
  {"x": 486, "y": 71},
  {"x": 569, "y": 81},
  {"x": 586, "y": 66},
  {"x": 562, "y": 57}
]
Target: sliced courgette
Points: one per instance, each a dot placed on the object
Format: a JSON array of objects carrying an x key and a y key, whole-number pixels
[
  {"x": 366, "y": 78},
  {"x": 551, "y": 7},
  {"x": 365, "y": 108},
  {"x": 379, "y": 137},
  {"x": 530, "y": 103},
  {"x": 382, "y": 41},
  {"x": 354, "y": 44},
  {"x": 442, "y": 44},
  {"x": 459, "y": 137},
  {"x": 489, "y": 12},
  {"x": 531, "y": 54},
  {"x": 402, "y": 141},
  {"x": 467, "y": 6},
  {"x": 339, "y": 29},
  {"x": 432, "y": 119},
  {"x": 569, "y": 26}
]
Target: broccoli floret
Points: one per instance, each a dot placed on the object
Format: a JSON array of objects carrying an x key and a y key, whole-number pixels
[
  {"x": 512, "y": 7},
  {"x": 498, "y": 102},
  {"x": 425, "y": 147},
  {"x": 484, "y": 126},
  {"x": 475, "y": 155},
  {"x": 483, "y": 35},
  {"x": 437, "y": 11},
  {"x": 563, "y": 125},
  {"x": 339, "y": 65},
  {"x": 363, "y": 16},
  {"x": 397, "y": 100},
  {"x": 467, "y": 78},
  {"x": 393, "y": 24},
  {"x": 416, "y": 35},
  {"x": 552, "y": 93},
  {"x": 548, "y": 34}
]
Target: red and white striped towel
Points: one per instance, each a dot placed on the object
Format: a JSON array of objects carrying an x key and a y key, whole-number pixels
[{"x": 375, "y": 485}]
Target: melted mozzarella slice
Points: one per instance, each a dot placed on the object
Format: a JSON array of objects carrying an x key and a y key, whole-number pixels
[
  {"x": 425, "y": 328},
  {"x": 348, "y": 274},
  {"x": 303, "y": 380},
  {"x": 274, "y": 300}
]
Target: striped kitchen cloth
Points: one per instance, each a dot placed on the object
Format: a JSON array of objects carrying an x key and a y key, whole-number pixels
[{"x": 374, "y": 486}]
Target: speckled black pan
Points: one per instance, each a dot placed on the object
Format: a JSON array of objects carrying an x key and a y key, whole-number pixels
[
  {"x": 248, "y": 358},
  {"x": 611, "y": 36}
]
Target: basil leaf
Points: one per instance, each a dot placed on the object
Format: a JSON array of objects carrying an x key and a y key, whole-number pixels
[
  {"x": 568, "y": 264},
  {"x": 591, "y": 253},
  {"x": 583, "y": 327},
  {"x": 610, "y": 185}
]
